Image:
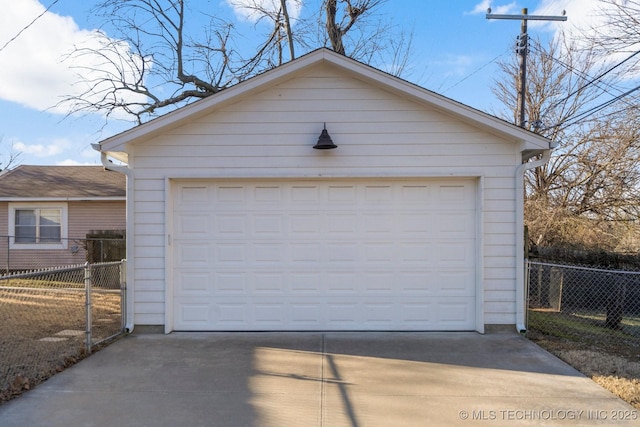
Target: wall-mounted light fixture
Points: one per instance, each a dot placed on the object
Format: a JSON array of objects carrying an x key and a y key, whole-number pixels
[{"x": 324, "y": 141}]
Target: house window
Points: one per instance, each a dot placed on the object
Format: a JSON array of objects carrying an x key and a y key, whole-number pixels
[{"x": 38, "y": 227}]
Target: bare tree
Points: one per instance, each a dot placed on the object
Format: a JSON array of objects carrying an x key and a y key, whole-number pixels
[
  {"x": 155, "y": 61},
  {"x": 338, "y": 23},
  {"x": 593, "y": 177},
  {"x": 10, "y": 157},
  {"x": 281, "y": 35},
  {"x": 617, "y": 35}
]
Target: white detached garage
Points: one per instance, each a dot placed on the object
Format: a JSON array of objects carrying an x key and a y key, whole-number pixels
[{"x": 236, "y": 222}]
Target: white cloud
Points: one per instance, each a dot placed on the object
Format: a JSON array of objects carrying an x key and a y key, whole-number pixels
[
  {"x": 582, "y": 17},
  {"x": 48, "y": 149},
  {"x": 482, "y": 7},
  {"x": 71, "y": 162},
  {"x": 456, "y": 65},
  {"x": 33, "y": 72},
  {"x": 249, "y": 9}
]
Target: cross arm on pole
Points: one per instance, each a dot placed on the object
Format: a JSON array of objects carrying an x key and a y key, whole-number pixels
[
  {"x": 526, "y": 17},
  {"x": 522, "y": 51}
]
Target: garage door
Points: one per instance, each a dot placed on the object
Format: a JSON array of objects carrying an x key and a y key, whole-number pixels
[{"x": 323, "y": 255}]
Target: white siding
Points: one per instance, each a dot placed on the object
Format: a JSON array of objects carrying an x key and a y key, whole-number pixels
[{"x": 271, "y": 134}]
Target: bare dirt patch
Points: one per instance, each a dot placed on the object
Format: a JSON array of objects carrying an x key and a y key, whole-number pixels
[{"x": 42, "y": 331}]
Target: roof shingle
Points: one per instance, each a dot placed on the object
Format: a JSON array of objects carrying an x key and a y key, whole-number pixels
[{"x": 38, "y": 182}]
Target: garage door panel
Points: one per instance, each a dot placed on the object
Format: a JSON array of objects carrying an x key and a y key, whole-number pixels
[
  {"x": 271, "y": 315},
  {"x": 267, "y": 225},
  {"x": 304, "y": 225},
  {"x": 454, "y": 283},
  {"x": 379, "y": 282},
  {"x": 229, "y": 225},
  {"x": 195, "y": 283},
  {"x": 193, "y": 315},
  {"x": 453, "y": 224},
  {"x": 333, "y": 313},
  {"x": 194, "y": 195},
  {"x": 340, "y": 253},
  {"x": 341, "y": 283},
  {"x": 268, "y": 283},
  {"x": 192, "y": 225},
  {"x": 193, "y": 254},
  {"x": 324, "y": 255},
  {"x": 306, "y": 283},
  {"x": 230, "y": 283},
  {"x": 305, "y": 252},
  {"x": 229, "y": 194},
  {"x": 269, "y": 252},
  {"x": 231, "y": 316},
  {"x": 343, "y": 224},
  {"x": 417, "y": 253},
  {"x": 303, "y": 194},
  {"x": 419, "y": 283},
  {"x": 452, "y": 254},
  {"x": 343, "y": 194},
  {"x": 416, "y": 225},
  {"x": 230, "y": 254},
  {"x": 379, "y": 253},
  {"x": 454, "y": 313}
]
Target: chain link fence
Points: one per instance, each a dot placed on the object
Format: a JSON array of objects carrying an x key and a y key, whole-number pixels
[
  {"x": 94, "y": 248},
  {"x": 594, "y": 306},
  {"x": 52, "y": 318}
]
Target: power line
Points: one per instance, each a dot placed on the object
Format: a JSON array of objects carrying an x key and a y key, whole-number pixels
[
  {"x": 476, "y": 71},
  {"x": 573, "y": 120},
  {"x": 594, "y": 80},
  {"x": 580, "y": 73},
  {"x": 28, "y": 25}
]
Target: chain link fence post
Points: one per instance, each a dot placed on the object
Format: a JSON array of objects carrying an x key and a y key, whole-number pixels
[
  {"x": 88, "y": 305},
  {"x": 123, "y": 294}
]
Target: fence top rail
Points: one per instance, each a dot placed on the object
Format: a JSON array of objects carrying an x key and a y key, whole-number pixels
[
  {"x": 105, "y": 264},
  {"x": 24, "y": 289},
  {"x": 578, "y": 267},
  {"x": 66, "y": 269},
  {"x": 41, "y": 272}
]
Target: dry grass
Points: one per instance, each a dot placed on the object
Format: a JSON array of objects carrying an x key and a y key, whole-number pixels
[
  {"x": 616, "y": 373},
  {"x": 35, "y": 342}
]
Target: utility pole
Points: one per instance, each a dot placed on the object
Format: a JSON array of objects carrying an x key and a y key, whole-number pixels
[{"x": 523, "y": 43}]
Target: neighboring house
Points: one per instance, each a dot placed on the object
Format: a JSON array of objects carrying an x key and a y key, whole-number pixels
[
  {"x": 414, "y": 221},
  {"x": 46, "y": 213}
]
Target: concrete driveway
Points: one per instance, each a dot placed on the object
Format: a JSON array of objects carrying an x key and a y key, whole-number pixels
[{"x": 319, "y": 379}]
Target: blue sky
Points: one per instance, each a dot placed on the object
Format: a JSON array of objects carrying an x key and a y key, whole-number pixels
[{"x": 454, "y": 53}]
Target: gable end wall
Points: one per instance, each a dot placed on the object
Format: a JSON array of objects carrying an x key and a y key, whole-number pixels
[{"x": 271, "y": 134}]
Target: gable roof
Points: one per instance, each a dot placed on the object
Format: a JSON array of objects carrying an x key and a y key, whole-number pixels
[
  {"x": 531, "y": 143},
  {"x": 61, "y": 183}
]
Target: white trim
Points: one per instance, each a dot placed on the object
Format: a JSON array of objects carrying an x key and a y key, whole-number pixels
[
  {"x": 168, "y": 257},
  {"x": 480, "y": 250},
  {"x": 229, "y": 175},
  {"x": 130, "y": 264},
  {"x": 169, "y": 231},
  {"x": 521, "y": 307},
  {"x": 64, "y": 227}
]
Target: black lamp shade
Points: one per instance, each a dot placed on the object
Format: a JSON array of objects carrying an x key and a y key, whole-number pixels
[{"x": 324, "y": 141}]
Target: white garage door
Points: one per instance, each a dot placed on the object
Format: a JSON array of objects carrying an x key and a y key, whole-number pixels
[{"x": 324, "y": 255}]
